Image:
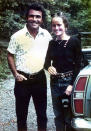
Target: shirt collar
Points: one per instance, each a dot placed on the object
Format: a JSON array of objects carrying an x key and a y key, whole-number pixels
[{"x": 40, "y": 32}]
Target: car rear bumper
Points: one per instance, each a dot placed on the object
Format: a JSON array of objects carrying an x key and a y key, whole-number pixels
[{"x": 80, "y": 124}]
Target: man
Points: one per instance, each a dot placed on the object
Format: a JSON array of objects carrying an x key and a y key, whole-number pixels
[{"x": 29, "y": 46}]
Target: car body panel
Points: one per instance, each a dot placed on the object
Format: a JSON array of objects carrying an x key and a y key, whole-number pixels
[{"x": 82, "y": 122}]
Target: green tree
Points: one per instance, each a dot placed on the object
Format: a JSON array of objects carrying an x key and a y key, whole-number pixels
[{"x": 12, "y": 14}]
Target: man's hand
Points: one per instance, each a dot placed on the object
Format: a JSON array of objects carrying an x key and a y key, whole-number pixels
[
  {"x": 20, "y": 77},
  {"x": 12, "y": 65},
  {"x": 69, "y": 90},
  {"x": 52, "y": 70}
]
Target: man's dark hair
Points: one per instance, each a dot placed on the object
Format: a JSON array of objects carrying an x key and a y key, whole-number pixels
[{"x": 38, "y": 7}]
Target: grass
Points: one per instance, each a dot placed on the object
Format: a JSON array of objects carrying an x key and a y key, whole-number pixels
[{"x": 4, "y": 68}]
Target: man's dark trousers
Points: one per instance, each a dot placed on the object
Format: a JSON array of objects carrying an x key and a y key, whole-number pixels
[{"x": 37, "y": 88}]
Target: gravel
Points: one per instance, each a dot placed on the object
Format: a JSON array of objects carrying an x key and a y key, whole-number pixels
[{"x": 7, "y": 108}]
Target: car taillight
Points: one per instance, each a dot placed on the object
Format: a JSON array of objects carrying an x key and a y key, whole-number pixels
[
  {"x": 78, "y": 106},
  {"x": 81, "y": 84},
  {"x": 79, "y": 95}
]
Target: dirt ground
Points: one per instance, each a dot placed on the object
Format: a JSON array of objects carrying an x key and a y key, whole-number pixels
[{"x": 7, "y": 108}]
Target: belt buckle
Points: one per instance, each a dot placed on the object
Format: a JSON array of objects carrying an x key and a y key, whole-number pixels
[
  {"x": 63, "y": 75},
  {"x": 30, "y": 76}
]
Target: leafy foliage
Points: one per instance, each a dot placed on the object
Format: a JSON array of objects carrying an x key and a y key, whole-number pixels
[
  {"x": 4, "y": 69},
  {"x": 12, "y": 14},
  {"x": 10, "y": 24}
]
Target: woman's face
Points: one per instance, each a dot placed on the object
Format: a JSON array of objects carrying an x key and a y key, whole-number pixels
[{"x": 58, "y": 27}]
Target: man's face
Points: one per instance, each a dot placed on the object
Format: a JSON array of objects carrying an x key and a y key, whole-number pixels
[{"x": 34, "y": 19}]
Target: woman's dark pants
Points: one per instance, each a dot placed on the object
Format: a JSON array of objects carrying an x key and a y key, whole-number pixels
[{"x": 61, "y": 103}]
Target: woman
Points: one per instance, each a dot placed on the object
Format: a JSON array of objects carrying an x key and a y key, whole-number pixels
[{"x": 63, "y": 63}]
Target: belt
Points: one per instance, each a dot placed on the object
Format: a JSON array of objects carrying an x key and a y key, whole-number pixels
[
  {"x": 62, "y": 75},
  {"x": 32, "y": 76}
]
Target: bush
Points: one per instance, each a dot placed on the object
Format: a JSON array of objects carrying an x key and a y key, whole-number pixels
[
  {"x": 10, "y": 23},
  {"x": 4, "y": 69}
]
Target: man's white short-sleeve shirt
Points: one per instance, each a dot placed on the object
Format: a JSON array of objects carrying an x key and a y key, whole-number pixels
[{"x": 29, "y": 52}]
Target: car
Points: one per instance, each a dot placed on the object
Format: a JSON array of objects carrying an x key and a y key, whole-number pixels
[{"x": 81, "y": 97}]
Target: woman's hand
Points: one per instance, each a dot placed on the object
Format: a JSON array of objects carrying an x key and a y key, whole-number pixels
[
  {"x": 69, "y": 90},
  {"x": 52, "y": 70}
]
